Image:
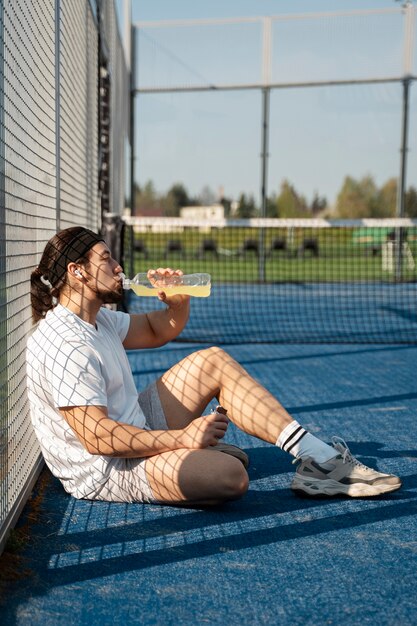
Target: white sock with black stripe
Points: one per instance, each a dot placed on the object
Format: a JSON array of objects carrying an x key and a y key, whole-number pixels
[{"x": 295, "y": 440}]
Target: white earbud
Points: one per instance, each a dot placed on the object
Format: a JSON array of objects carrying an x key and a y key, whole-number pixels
[{"x": 78, "y": 273}]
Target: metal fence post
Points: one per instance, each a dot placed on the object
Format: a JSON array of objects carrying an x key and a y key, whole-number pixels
[
  {"x": 399, "y": 241},
  {"x": 266, "y": 75},
  {"x": 58, "y": 112}
]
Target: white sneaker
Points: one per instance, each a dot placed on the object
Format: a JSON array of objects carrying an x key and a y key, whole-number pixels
[{"x": 342, "y": 475}]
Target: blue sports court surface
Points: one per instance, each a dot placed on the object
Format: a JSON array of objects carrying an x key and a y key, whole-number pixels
[
  {"x": 362, "y": 312},
  {"x": 270, "y": 558}
]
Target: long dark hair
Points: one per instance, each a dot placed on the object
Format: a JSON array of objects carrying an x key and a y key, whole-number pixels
[{"x": 46, "y": 282}]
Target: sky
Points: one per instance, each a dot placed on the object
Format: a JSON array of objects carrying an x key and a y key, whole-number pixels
[
  {"x": 317, "y": 135},
  {"x": 148, "y": 10}
]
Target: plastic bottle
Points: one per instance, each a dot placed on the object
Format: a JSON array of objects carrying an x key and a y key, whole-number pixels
[{"x": 197, "y": 285}]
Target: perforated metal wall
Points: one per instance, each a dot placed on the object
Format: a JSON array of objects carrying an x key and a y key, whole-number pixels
[
  {"x": 119, "y": 108},
  {"x": 28, "y": 208},
  {"x": 49, "y": 171},
  {"x": 79, "y": 202}
]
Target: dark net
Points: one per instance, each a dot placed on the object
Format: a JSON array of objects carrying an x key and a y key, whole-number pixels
[{"x": 291, "y": 281}]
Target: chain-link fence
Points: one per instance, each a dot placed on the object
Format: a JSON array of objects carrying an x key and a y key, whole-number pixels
[
  {"x": 280, "y": 117},
  {"x": 318, "y": 96},
  {"x": 59, "y": 123}
]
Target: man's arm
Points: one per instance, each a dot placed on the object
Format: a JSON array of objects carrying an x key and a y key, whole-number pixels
[
  {"x": 158, "y": 327},
  {"x": 102, "y": 435},
  {"x": 155, "y": 329}
]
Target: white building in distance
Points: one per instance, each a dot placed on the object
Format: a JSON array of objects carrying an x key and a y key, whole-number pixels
[{"x": 212, "y": 212}]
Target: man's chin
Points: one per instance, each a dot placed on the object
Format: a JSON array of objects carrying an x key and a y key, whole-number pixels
[{"x": 111, "y": 297}]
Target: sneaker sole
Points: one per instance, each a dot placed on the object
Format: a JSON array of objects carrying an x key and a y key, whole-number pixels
[
  {"x": 316, "y": 488},
  {"x": 231, "y": 450}
]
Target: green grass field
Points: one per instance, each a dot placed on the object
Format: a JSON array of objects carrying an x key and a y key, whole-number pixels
[{"x": 339, "y": 257}]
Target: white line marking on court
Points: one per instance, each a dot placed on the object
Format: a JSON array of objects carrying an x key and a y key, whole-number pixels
[{"x": 391, "y": 408}]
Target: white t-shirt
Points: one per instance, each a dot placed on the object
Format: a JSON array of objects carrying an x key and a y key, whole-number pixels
[{"x": 73, "y": 363}]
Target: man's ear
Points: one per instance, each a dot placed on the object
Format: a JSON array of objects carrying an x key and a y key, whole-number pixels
[{"x": 74, "y": 271}]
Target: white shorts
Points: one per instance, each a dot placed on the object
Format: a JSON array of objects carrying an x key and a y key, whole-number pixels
[{"x": 127, "y": 480}]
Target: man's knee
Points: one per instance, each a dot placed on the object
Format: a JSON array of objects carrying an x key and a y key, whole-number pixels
[
  {"x": 212, "y": 357},
  {"x": 234, "y": 482}
]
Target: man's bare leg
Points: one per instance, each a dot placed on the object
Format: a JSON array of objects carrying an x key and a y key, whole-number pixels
[
  {"x": 187, "y": 388},
  {"x": 207, "y": 476},
  {"x": 197, "y": 477}
]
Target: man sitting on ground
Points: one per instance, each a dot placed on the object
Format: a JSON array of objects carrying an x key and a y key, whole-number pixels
[{"x": 105, "y": 442}]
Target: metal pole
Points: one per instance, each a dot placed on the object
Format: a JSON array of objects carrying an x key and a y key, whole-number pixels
[
  {"x": 399, "y": 232},
  {"x": 127, "y": 29},
  {"x": 409, "y": 21},
  {"x": 132, "y": 134},
  {"x": 266, "y": 79},
  {"x": 58, "y": 114},
  {"x": 264, "y": 177}
]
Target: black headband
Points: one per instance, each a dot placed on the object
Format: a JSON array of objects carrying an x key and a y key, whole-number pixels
[{"x": 74, "y": 250}]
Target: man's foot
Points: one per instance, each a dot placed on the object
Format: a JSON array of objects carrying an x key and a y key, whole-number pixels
[{"x": 342, "y": 475}]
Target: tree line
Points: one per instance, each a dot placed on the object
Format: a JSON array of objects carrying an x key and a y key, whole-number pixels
[{"x": 357, "y": 198}]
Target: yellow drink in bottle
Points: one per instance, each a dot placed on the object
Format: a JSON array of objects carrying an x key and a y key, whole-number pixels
[
  {"x": 198, "y": 291},
  {"x": 196, "y": 285}
]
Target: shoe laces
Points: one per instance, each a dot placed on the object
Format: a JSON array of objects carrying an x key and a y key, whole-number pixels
[
  {"x": 347, "y": 457},
  {"x": 342, "y": 447}
]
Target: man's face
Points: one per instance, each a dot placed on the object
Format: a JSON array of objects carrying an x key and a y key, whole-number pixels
[{"x": 102, "y": 274}]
